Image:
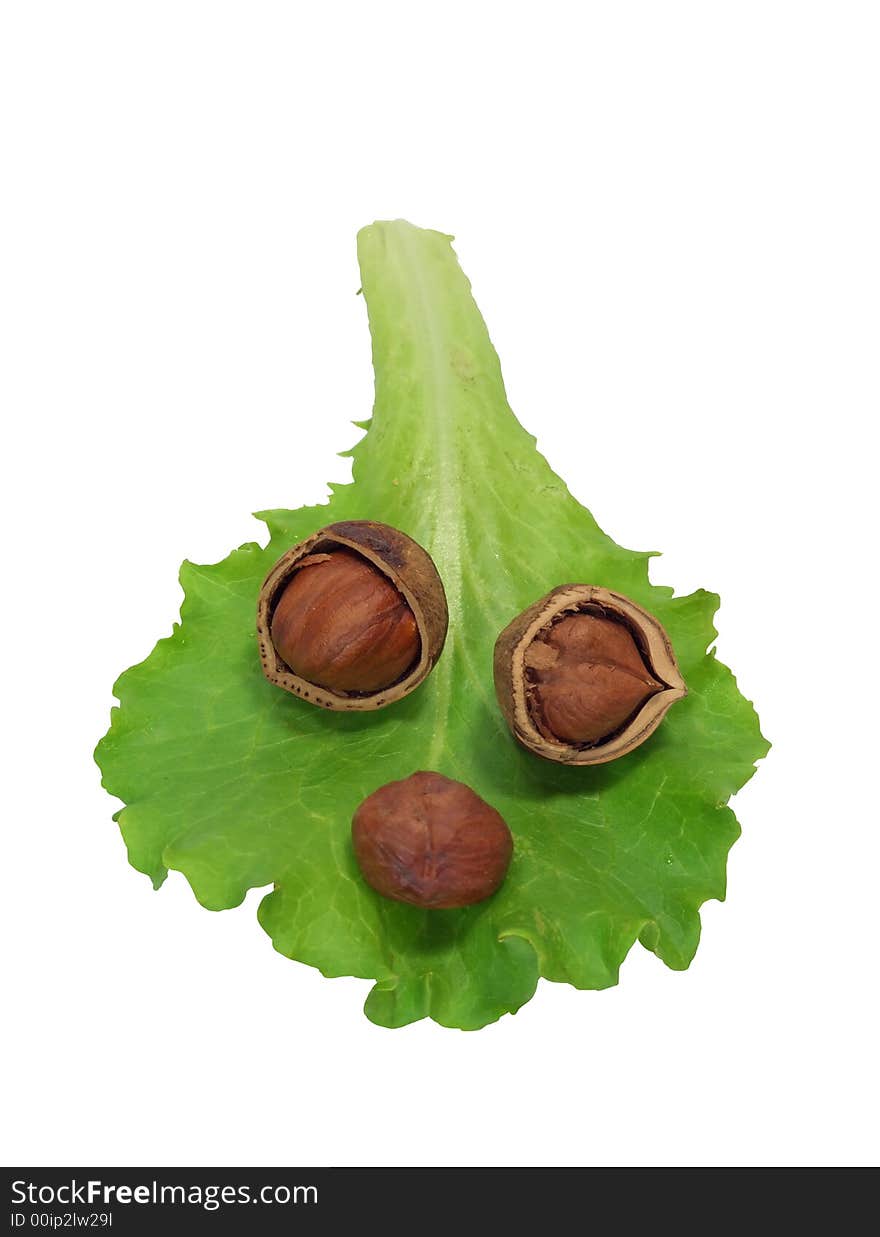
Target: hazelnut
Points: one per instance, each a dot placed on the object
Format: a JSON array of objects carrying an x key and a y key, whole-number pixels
[
  {"x": 341, "y": 624},
  {"x": 432, "y": 842},
  {"x": 585, "y": 675},
  {"x": 353, "y": 617}
]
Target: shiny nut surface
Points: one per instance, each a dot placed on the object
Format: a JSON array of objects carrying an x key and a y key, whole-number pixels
[
  {"x": 585, "y": 675},
  {"x": 341, "y": 636},
  {"x": 432, "y": 842},
  {"x": 587, "y": 678},
  {"x": 342, "y": 624}
]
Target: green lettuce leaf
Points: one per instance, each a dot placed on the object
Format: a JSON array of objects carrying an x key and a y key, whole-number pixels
[{"x": 237, "y": 784}]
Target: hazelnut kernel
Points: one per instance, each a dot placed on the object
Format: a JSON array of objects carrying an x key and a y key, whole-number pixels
[
  {"x": 432, "y": 842},
  {"x": 588, "y": 678},
  {"x": 341, "y": 624}
]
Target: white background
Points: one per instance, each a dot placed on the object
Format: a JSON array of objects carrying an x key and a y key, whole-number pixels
[{"x": 670, "y": 216}]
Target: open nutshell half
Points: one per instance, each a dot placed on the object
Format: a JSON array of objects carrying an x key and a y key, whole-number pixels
[
  {"x": 359, "y": 610},
  {"x": 585, "y": 675}
]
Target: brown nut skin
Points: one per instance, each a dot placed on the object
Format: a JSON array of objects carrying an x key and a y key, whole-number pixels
[
  {"x": 340, "y": 623},
  {"x": 558, "y": 709},
  {"x": 409, "y": 570},
  {"x": 431, "y": 842},
  {"x": 587, "y": 678}
]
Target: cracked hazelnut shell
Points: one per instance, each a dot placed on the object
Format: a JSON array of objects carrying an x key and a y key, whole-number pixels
[
  {"x": 352, "y": 618},
  {"x": 585, "y": 675},
  {"x": 432, "y": 842}
]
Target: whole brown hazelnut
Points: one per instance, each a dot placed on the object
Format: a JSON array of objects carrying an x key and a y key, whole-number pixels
[
  {"x": 432, "y": 842},
  {"x": 353, "y": 617},
  {"x": 585, "y": 675}
]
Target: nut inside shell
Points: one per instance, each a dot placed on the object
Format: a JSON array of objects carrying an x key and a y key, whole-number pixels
[
  {"x": 585, "y": 675},
  {"x": 405, "y": 571}
]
